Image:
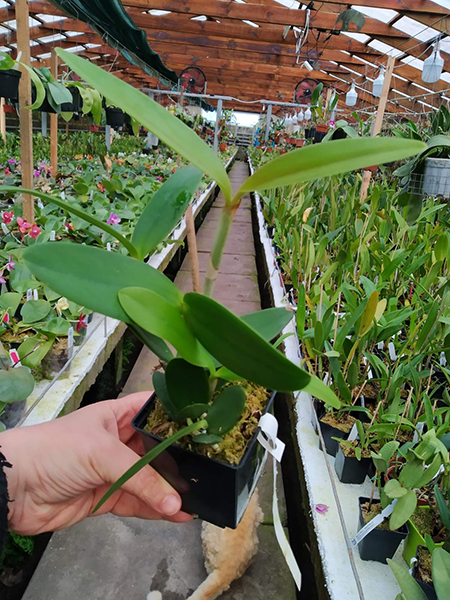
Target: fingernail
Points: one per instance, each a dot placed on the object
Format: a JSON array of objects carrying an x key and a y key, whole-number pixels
[{"x": 171, "y": 505}]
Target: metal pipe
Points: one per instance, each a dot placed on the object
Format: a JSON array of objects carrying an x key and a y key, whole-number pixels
[{"x": 216, "y": 131}]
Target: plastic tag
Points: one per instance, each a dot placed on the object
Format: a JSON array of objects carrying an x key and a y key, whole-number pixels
[
  {"x": 442, "y": 359},
  {"x": 392, "y": 352},
  {"x": 418, "y": 431},
  {"x": 52, "y": 235},
  {"x": 35, "y": 295},
  {"x": 5, "y": 229},
  {"x": 29, "y": 294},
  {"x": 353, "y": 435},
  {"x": 380, "y": 345},
  {"x": 70, "y": 338},
  {"x": 267, "y": 437},
  {"x": 108, "y": 246},
  {"x": 40, "y": 204},
  {"x": 63, "y": 195},
  {"x": 373, "y": 524},
  {"x": 91, "y": 195},
  {"x": 15, "y": 358}
]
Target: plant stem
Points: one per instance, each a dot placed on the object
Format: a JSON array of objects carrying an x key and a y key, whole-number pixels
[
  {"x": 222, "y": 232},
  {"x": 147, "y": 458}
]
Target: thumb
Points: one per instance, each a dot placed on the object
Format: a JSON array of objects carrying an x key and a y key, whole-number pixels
[{"x": 147, "y": 485}]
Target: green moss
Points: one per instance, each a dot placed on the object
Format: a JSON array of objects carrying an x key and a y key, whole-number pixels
[
  {"x": 232, "y": 448},
  {"x": 423, "y": 571}
]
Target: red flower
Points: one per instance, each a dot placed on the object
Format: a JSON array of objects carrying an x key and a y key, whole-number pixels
[
  {"x": 7, "y": 217},
  {"x": 23, "y": 225},
  {"x": 81, "y": 323},
  {"x": 69, "y": 226},
  {"x": 101, "y": 187},
  {"x": 34, "y": 231}
]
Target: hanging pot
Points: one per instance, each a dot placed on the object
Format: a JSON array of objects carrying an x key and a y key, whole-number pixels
[
  {"x": 75, "y": 105},
  {"x": 115, "y": 117},
  {"x": 309, "y": 133},
  {"x": 214, "y": 490},
  {"x": 45, "y": 106},
  {"x": 9, "y": 84},
  {"x": 339, "y": 134}
]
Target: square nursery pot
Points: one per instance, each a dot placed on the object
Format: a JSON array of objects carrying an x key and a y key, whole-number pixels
[
  {"x": 75, "y": 105},
  {"x": 328, "y": 432},
  {"x": 349, "y": 469},
  {"x": 309, "y": 133},
  {"x": 9, "y": 84},
  {"x": 379, "y": 544},
  {"x": 115, "y": 117},
  {"x": 414, "y": 539},
  {"x": 427, "y": 588},
  {"x": 214, "y": 490}
]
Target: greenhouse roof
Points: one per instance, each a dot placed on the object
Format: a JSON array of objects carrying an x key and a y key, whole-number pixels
[{"x": 253, "y": 50}]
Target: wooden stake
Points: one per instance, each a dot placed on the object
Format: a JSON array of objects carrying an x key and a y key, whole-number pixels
[
  {"x": 2, "y": 119},
  {"x": 192, "y": 242},
  {"x": 25, "y": 114},
  {"x": 379, "y": 119},
  {"x": 54, "y": 121}
]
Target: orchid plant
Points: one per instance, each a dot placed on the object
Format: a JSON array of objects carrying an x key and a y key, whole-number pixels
[{"x": 205, "y": 335}]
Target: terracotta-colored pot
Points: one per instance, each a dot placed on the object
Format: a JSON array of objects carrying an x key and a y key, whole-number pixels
[
  {"x": 372, "y": 169},
  {"x": 299, "y": 143},
  {"x": 321, "y": 127},
  {"x": 93, "y": 128},
  {"x": 7, "y": 108}
]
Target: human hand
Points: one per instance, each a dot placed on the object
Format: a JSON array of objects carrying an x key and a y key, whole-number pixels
[{"x": 60, "y": 470}]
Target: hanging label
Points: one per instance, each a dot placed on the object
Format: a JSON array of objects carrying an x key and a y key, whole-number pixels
[
  {"x": 14, "y": 356},
  {"x": 267, "y": 437},
  {"x": 52, "y": 235},
  {"x": 29, "y": 294},
  {"x": 5, "y": 229},
  {"x": 40, "y": 204},
  {"x": 108, "y": 246},
  {"x": 35, "y": 295},
  {"x": 373, "y": 524}
]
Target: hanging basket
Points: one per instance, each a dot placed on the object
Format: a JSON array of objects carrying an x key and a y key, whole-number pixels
[
  {"x": 115, "y": 117},
  {"x": 9, "y": 84},
  {"x": 75, "y": 105}
]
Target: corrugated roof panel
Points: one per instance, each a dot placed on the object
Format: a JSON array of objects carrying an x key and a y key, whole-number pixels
[
  {"x": 381, "y": 14},
  {"x": 385, "y": 48},
  {"x": 360, "y": 37},
  {"x": 415, "y": 29}
]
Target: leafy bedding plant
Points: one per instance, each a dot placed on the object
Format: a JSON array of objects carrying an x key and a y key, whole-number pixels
[{"x": 204, "y": 334}]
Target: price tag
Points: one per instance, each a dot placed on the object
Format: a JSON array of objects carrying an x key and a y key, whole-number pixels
[
  {"x": 373, "y": 524},
  {"x": 29, "y": 294},
  {"x": 5, "y": 229},
  {"x": 35, "y": 295},
  {"x": 52, "y": 235}
]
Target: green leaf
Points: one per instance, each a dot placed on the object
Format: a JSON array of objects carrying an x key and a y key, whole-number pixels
[
  {"x": 38, "y": 349},
  {"x": 403, "y": 510},
  {"x": 193, "y": 411},
  {"x": 147, "y": 459},
  {"x": 59, "y": 93},
  {"x": 93, "y": 278},
  {"x": 207, "y": 438},
  {"x": 409, "y": 586},
  {"x": 301, "y": 312},
  {"x": 161, "y": 318},
  {"x": 441, "y": 572},
  {"x": 165, "y": 209},
  {"x": 10, "y": 302},
  {"x": 269, "y": 322},
  {"x": 333, "y": 158},
  {"x": 156, "y": 344},
  {"x": 444, "y": 509},
  {"x": 186, "y": 384},
  {"x": 159, "y": 385},
  {"x": 56, "y": 326},
  {"x": 389, "y": 449},
  {"x": 40, "y": 90},
  {"x": 6, "y": 61},
  {"x": 368, "y": 314},
  {"x": 35, "y": 310},
  {"x": 239, "y": 348},
  {"x": 226, "y": 410},
  {"x": 393, "y": 489},
  {"x": 441, "y": 247},
  {"x": 154, "y": 117},
  {"x": 15, "y": 384},
  {"x": 74, "y": 209},
  {"x": 431, "y": 472}
]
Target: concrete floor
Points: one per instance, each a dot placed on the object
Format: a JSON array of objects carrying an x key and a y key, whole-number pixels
[{"x": 110, "y": 558}]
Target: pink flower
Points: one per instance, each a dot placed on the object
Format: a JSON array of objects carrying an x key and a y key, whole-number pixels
[
  {"x": 113, "y": 219},
  {"x": 69, "y": 226},
  {"x": 12, "y": 161},
  {"x": 23, "y": 225},
  {"x": 322, "y": 509},
  {"x": 7, "y": 217},
  {"x": 34, "y": 231},
  {"x": 37, "y": 173},
  {"x": 11, "y": 264},
  {"x": 7, "y": 171},
  {"x": 2, "y": 279},
  {"x": 6, "y": 318},
  {"x": 332, "y": 124},
  {"x": 160, "y": 179}
]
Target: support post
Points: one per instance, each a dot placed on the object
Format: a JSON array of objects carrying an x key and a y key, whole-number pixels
[
  {"x": 216, "y": 131},
  {"x": 108, "y": 137},
  {"x": 2, "y": 120},
  {"x": 268, "y": 122},
  {"x": 192, "y": 244},
  {"x": 25, "y": 114},
  {"x": 379, "y": 119},
  {"x": 44, "y": 124},
  {"x": 54, "y": 121}
]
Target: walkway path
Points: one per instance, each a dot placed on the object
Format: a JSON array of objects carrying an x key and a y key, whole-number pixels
[{"x": 109, "y": 558}]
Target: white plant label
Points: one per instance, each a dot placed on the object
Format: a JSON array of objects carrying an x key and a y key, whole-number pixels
[
  {"x": 108, "y": 246},
  {"x": 52, "y": 235},
  {"x": 353, "y": 435},
  {"x": 5, "y": 229},
  {"x": 442, "y": 360},
  {"x": 91, "y": 194},
  {"x": 269, "y": 440},
  {"x": 63, "y": 195},
  {"x": 35, "y": 295},
  {"x": 40, "y": 204},
  {"x": 380, "y": 345},
  {"x": 29, "y": 294},
  {"x": 70, "y": 338},
  {"x": 373, "y": 524},
  {"x": 15, "y": 358},
  {"x": 392, "y": 352}
]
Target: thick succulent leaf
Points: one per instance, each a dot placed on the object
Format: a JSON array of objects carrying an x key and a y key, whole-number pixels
[
  {"x": 161, "y": 318},
  {"x": 35, "y": 349},
  {"x": 186, "y": 384},
  {"x": 165, "y": 209},
  {"x": 410, "y": 588},
  {"x": 74, "y": 209},
  {"x": 93, "y": 277},
  {"x": 441, "y": 572},
  {"x": 270, "y": 322},
  {"x": 153, "y": 116},
  {"x": 159, "y": 385},
  {"x": 10, "y": 302},
  {"x": 333, "y": 158},
  {"x": 207, "y": 438},
  {"x": 226, "y": 410},
  {"x": 15, "y": 384},
  {"x": 239, "y": 348}
]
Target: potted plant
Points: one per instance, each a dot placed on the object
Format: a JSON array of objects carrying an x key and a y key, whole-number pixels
[
  {"x": 16, "y": 384},
  {"x": 205, "y": 335},
  {"x": 353, "y": 458},
  {"x": 9, "y": 82}
]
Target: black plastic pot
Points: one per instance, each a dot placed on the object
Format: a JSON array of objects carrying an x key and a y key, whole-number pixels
[
  {"x": 379, "y": 544},
  {"x": 12, "y": 413},
  {"x": 75, "y": 105},
  {"x": 349, "y": 469},
  {"x": 115, "y": 117},
  {"x": 309, "y": 133},
  {"x": 328, "y": 432},
  {"x": 9, "y": 84},
  {"x": 427, "y": 589},
  {"x": 45, "y": 106},
  {"x": 339, "y": 134},
  {"x": 319, "y": 135},
  {"x": 214, "y": 490},
  {"x": 270, "y": 231}
]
